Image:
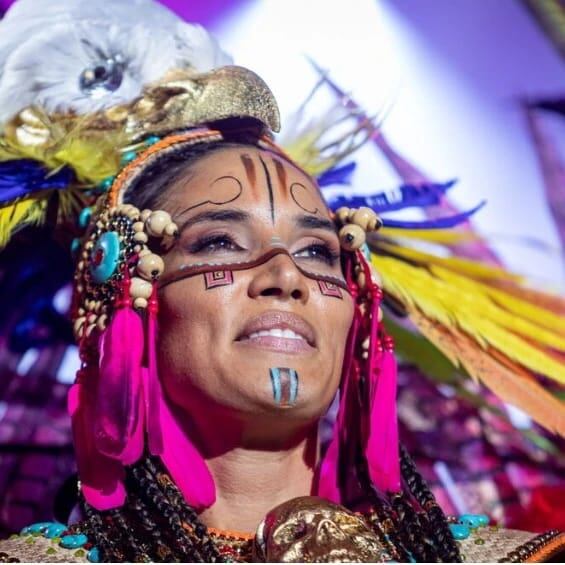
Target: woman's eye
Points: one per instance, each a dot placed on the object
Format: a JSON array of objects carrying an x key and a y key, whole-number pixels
[
  {"x": 214, "y": 244},
  {"x": 318, "y": 252}
]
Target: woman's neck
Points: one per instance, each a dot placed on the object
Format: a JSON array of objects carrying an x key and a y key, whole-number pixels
[{"x": 250, "y": 481}]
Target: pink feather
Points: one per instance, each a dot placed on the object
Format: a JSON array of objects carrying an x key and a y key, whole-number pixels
[
  {"x": 329, "y": 484},
  {"x": 101, "y": 477},
  {"x": 184, "y": 462},
  {"x": 118, "y": 418}
]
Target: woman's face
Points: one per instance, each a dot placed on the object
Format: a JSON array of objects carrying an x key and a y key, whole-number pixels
[{"x": 265, "y": 340}]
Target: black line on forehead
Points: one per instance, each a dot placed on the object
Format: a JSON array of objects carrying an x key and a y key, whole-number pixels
[
  {"x": 269, "y": 188},
  {"x": 210, "y": 201}
]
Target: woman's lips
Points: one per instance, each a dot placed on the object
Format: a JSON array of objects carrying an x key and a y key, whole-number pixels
[{"x": 284, "y": 332}]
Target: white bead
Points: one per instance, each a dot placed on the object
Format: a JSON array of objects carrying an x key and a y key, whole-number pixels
[
  {"x": 145, "y": 214},
  {"x": 365, "y": 218},
  {"x": 138, "y": 226},
  {"x": 141, "y": 237},
  {"x": 343, "y": 214},
  {"x": 157, "y": 222},
  {"x": 171, "y": 229},
  {"x": 140, "y": 303},
  {"x": 140, "y": 288},
  {"x": 351, "y": 237},
  {"x": 78, "y": 323},
  {"x": 101, "y": 323},
  {"x": 150, "y": 266}
]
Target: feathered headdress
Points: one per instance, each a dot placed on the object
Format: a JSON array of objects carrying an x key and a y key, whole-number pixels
[{"x": 82, "y": 82}]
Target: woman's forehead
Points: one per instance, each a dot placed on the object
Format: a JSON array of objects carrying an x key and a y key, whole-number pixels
[{"x": 249, "y": 176}]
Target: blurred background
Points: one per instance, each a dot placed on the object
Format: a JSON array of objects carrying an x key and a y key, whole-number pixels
[{"x": 472, "y": 90}]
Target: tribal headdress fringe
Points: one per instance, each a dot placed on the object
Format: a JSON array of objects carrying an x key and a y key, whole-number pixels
[{"x": 76, "y": 131}]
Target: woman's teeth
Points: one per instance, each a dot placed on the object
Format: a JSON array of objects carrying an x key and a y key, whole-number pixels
[{"x": 287, "y": 334}]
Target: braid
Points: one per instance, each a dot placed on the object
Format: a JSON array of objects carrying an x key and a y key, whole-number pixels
[
  {"x": 155, "y": 524},
  {"x": 149, "y": 525},
  {"x": 411, "y": 530},
  {"x": 150, "y": 489},
  {"x": 132, "y": 547},
  {"x": 416, "y": 535},
  {"x": 186, "y": 513},
  {"x": 438, "y": 526},
  {"x": 96, "y": 530}
]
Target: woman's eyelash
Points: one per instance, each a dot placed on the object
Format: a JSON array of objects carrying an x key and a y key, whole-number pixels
[
  {"x": 213, "y": 242},
  {"x": 321, "y": 252}
]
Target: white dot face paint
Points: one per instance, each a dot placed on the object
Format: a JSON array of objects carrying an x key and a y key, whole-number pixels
[{"x": 284, "y": 381}]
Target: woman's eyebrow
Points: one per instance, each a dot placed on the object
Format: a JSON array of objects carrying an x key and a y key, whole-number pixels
[
  {"x": 314, "y": 222},
  {"x": 229, "y": 215}
]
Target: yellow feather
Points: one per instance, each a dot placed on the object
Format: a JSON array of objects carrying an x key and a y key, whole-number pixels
[
  {"x": 444, "y": 237},
  {"x": 549, "y": 302},
  {"x": 520, "y": 390},
  {"x": 20, "y": 213},
  {"x": 513, "y": 320},
  {"x": 455, "y": 306},
  {"x": 465, "y": 266}
]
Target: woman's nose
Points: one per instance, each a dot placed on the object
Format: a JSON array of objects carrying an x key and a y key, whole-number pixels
[{"x": 281, "y": 278}]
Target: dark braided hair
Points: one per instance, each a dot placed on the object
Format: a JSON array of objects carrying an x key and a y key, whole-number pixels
[
  {"x": 411, "y": 521},
  {"x": 435, "y": 517},
  {"x": 155, "y": 523}
]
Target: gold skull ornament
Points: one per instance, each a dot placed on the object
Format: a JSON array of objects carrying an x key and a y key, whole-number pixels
[{"x": 312, "y": 530}]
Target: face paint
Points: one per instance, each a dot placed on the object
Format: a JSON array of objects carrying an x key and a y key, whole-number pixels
[
  {"x": 212, "y": 279},
  {"x": 302, "y": 198},
  {"x": 330, "y": 289},
  {"x": 225, "y": 189},
  {"x": 269, "y": 189},
  {"x": 285, "y": 385},
  {"x": 186, "y": 271},
  {"x": 276, "y": 242}
]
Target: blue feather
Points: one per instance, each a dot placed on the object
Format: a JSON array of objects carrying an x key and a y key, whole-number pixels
[
  {"x": 337, "y": 175},
  {"x": 22, "y": 177},
  {"x": 438, "y": 223},
  {"x": 407, "y": 196}
]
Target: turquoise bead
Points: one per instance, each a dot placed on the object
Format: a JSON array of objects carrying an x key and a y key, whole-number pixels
[
  {"x": 94, "y": 555},
  {"x": 128, "y": 157},
  {"x": 105, "y": 257},
  {"x": 37, "y": 528},
  {"x": 54, "y": 530},
  {"x": 73, "y": 541},
  {"x": 84, "y": 217},
  {"x": 106, "y": 184},
  {"x": 474, "y": 520},
  {"x": 152, "y": 139},
  {"x": 460, "y": 531},
  {"x": 75, "y": 245}
]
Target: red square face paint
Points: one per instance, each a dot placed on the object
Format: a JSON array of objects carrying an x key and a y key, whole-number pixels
[
  {"x": 330, "y": 289},
  {"x": 212, "y": 279}
]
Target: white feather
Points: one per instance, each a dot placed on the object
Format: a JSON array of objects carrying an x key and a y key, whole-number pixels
[{"x": 46, "y": 45}]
